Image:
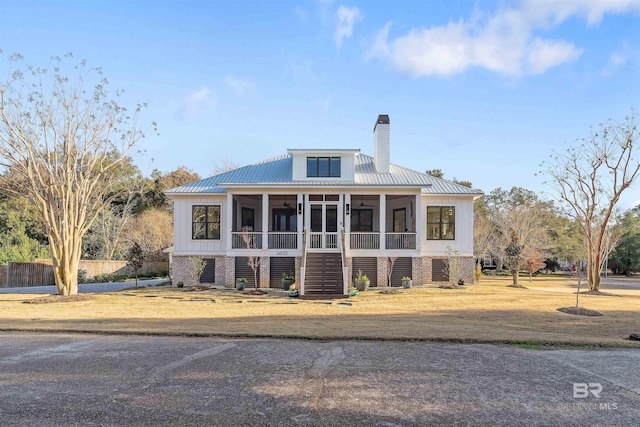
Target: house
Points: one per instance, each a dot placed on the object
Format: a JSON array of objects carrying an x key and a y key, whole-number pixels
[{"x": 324, "y": 214}]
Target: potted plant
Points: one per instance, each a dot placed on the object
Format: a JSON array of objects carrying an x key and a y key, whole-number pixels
[
  {"x": 288, "y": 279},
  {"x": 406, "y": 282},
  {"x": 293, "y": 292},
  {"x": 353, "y": 291},
  {"x": 461, "y": 282},
  {"x": 361, "y": 281},
  {"x": 241, "y": 282}
]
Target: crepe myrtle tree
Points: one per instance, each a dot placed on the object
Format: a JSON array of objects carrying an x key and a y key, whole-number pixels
[
  {"x": 589, "y": 177},
  {"x": 64, "y": 140}
]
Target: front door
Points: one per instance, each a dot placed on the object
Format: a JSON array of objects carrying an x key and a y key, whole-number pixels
[{"x": 324, "y": 222}]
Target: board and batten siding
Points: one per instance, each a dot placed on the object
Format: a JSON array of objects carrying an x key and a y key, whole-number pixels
[
  {"x": 463, "y": 242},
  {"x": 183, "y": 243}
]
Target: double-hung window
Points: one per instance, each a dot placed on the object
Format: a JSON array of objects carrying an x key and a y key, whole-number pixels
[
  {"x": 205, "y": 222},
  {"x": 441, "y": 221}
]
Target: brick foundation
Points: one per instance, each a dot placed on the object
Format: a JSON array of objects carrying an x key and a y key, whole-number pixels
[{"x": 225, "y": 267}]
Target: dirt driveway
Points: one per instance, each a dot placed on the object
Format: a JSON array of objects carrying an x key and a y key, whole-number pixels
[{"x": 65, "y": 379}]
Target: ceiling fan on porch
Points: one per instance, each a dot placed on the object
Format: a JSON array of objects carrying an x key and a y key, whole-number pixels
[
  {"x": 362, "y": 204},
  {"x": 287, "y": 204}
]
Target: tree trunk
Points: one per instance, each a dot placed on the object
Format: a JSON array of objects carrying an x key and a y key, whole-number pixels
[
  {"x": 515, "y": 277},
  {"x": 66, "y": 257},
  {"x": 593, "y": 266}
]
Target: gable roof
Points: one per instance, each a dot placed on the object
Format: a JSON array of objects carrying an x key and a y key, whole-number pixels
[{"x": 277, "y": 172}]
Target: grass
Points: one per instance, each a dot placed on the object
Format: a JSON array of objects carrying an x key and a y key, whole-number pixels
[{"x": 486, "y": 312}]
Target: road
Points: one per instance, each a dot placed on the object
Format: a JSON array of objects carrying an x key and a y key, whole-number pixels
[
  {"x": 83, "y": 288},
  {"x": 65, "y": 379}
]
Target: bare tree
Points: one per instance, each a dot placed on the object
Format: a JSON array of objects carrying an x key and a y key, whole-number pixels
[
  {"x": 64, "y": 141},
  {"x": 391, "y": 260},
  {"x": 519, "y": 220},
  {"x": 195, "y": 267},
  {"x": 484, "y": 233},
  {"x": 579, "y": 275},
  {"x": 224, "y": 164},
  {"x": 589, "y": 178},
  {"x": 452, "y": 265},
  {"x": 135, "y": 259},
  {"x": 252, "y": 260},
  {"x": 152, "y": 230},
  {"x": 108, "y": 229}
]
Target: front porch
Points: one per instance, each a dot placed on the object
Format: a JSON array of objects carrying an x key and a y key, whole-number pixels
[{"x": 274, "y": 222}]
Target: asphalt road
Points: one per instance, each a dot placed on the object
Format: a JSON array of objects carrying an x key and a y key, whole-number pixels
[
  {"x": 68, "y": 380},
  {"x": 83, "y": 288}
]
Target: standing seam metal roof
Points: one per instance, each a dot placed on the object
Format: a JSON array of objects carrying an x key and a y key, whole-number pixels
[{"x": 278, "y": 171}]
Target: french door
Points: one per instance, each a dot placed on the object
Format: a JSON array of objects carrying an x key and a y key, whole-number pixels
[{"x": 324, "y": 222}]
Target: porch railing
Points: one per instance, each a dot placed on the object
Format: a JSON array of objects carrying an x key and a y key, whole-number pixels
[
  {"x": 361, "y": 240},
  {"x": 400, "y": 240},
  {"x": 255, "y": 240},
  {"x": 330, "y": 240},
  {"x": 283, "y": 240}
]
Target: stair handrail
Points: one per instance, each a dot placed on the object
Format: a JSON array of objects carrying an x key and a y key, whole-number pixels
[
  {"x": 305, "y": 246},
  {"x": 343, "y": 255}
]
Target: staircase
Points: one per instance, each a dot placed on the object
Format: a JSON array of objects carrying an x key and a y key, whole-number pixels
[{"x": 323, "y": 274}]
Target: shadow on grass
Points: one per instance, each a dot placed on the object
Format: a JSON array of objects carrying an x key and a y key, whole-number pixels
[{"x": 463, "y": 326}]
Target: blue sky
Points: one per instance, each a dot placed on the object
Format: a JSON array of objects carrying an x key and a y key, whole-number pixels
[{"x": 482, "y": 90}]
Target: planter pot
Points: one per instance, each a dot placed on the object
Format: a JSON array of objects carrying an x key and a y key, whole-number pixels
[
  {"x": 294, "y": 294},
  {"x": 240, "y": 285},
  {"x": 362, "y": 285},
  {"x": 407, "y": 284},
  {"x": 354, "y": 293},
  {"x": 286, "y": 284}
]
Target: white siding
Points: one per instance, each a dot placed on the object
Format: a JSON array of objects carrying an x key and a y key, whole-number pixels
[
  {"x": 183, "y": 243},
  {"x": 463, "y": 242}
]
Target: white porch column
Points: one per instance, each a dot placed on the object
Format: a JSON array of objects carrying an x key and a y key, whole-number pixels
[
  {"x": 419, "y": 223},
  {"x": 265, "y": 221},
  {"x": 228, "y": 224},
  {"x": 340, "y": 218},
  {"x": 383, "y": 222},
  {"x": 347, "y": 223},
  {"x": 299, "y": 221},
  {"x": 307, "y": 213}
]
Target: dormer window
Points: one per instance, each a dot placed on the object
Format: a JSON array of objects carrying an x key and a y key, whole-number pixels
[{"x": 323, "y": 167}]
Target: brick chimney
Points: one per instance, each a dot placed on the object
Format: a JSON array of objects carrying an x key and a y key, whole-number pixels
[{"x": 381, "y": 152}]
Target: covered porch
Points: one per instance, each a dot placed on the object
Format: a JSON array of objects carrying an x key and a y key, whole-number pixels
[
  {"x": 370, "y": 222},
  {"x": 382, "y": 222},
  {"x": 265, "y": 221}
]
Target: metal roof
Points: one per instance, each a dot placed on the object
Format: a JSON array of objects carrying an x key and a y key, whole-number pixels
[{"x": 277, "y": 172}]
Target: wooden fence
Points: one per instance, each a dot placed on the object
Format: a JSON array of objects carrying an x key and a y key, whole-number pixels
[
  {"x": 3, "y": 276},
  {"x": 98, "y": 267},
  {"x": 40, "y": 273},
  {"x": 19, "y": 274}
]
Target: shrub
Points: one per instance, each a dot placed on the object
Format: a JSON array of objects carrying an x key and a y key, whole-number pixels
[
  {"x": 82, "y": 276},
  {"x": 288, "y": 276}
]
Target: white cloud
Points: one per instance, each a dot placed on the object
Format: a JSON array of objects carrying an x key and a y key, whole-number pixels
[
  {"x": 345, "y": 18},
  {"x": 194, "y": 101},
  {"x": 239, "y": 86},
  {"x": 546, "y": 54},
  {"x": 618, "y": 60},
  {"x": 505, "y": 42}
]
